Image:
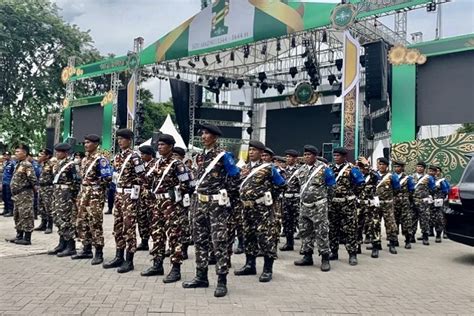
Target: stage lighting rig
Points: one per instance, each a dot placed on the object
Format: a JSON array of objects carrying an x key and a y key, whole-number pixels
[
  {"x": 264, "y": 49},
  {"x": 204, "y": 61},
  {"x": 293, "y": 71},
  {"x": 232, "y": 56},
  {"x": 177, "y": 65},
  {"x": 246, "y": 51},
  {"x": 262, "y": 76},
  {"x": 339, "y": 64},
  {"x": 332, "y": 79},
  {"x": 280, "y": 88},
  {"x": 293, "y": 42},
  {"x": 264, "y": 87},
  {"x": 278, "y": 45},
  {"x": 190, "y": 63},
  {"x": 218, "y": 59},
  {"x": 240, "y": 83}
]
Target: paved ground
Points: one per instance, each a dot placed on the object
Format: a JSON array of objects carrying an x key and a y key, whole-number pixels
[{"x": 438, "y": 279}]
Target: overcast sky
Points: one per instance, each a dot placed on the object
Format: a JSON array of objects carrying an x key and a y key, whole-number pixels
[{"x": 113, "y": 24}]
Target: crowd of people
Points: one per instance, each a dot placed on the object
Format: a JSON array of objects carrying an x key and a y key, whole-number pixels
[{"x": 210, "y": 202}]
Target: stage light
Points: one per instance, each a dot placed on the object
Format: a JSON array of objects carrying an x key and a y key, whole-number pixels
[
  {"x": 168, "y": 68},
  {"x": 293, "y": 42},
  {"x": 190, "y": 63},
  {"x": 431, "y": 7},
  {"x": 293, "y": 71},
  {"x": 240, "y": 83},
  {"x": 232, "y": 56},
  {"x": 220, "y": 81},
  {"x": 339, "y": 64},
  {"x": 200, "y": 80},
  {"x": 177, "y": 65},
  {"x": 196, "y": 58},
  {"x": 262, "y": 76},
  {"x": 280, "y": 87},
  {"x": 178, "y": 76},
  {"x": 218, "y": 59},
  {"x": 264, "y": 87},
  {"x": 204, "y": 61},
  {"x": 249, "y": 130},
  {"x": 305, "y": 54},
  {"x": 325, "y": 37},
  {"x": 227, "y": 83},
  {"x": 332, "y": 79},
  {"x": 337, "y": 89},
  {"x": 211, "y": 83},
  {"x": 278, "y": 46},
  {"x": 250, "y": 113},
  {"x": 264, "y": 49},
  {"x": 246, "y": 51}
]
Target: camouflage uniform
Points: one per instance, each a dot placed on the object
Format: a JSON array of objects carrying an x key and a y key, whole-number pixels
[
  {"x": 186, "y": 237},
  {"x": 95, "y": 175},
  {"x": 147, "y": 203},
  {"x": 440, "y": 193},
  {"x": 342, "y": 208},
  {"x": 211, "y": 220},
  {"x": 125, "y": 211},
  {"x": 401, "y": 204},
  {"x": 235, "y": 223},
  {"x": 366, "y": 209},
  {"x": 291, "y": 201},
  {"x": 314, "y": 223},
  {"x": 168, "y": 213},
  {"x": 22, "y": 184},
  {"x": 46, "y": 191},
  {"x": 66, "y": 187},
  {"x": 278, "y": 207},
  {"x": 259, "y": 219},
  {"x": 422, "y": 198}
]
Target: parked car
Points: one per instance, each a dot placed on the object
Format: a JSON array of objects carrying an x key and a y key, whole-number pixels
[{"x": 460, "y": 216}]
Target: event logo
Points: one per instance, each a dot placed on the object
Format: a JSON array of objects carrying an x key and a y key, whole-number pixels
[
  {"x": 304, "y": 94},
  {"x": 220, "y": 9},
  {"x": 343, "y": 16}
]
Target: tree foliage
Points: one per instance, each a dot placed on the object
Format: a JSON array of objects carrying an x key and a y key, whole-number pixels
[{"x": 155, "y": 114}]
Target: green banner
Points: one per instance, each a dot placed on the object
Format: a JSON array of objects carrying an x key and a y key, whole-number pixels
[
  {"x": 87, "y": 100},
  {"x": 103, "y": 67}
]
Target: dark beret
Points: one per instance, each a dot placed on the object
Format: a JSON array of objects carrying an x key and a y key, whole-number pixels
[
  {"x": 7, "y": 153},
  {"x": 439, "y": 168},
  {"x": 167, "y": 139},
  {"x": 398, "y": 163},
  {"x": 62, "y": 147},
  {"x": 147, "y": 150},
  {"x": 311, "y": 149},
  {"x": 124, "y": 133},
  {"x": 322, "y": 159},
  {"x": 93, "y": 138},
  {"x": 433, "y": 167},
  {"x": 279, "y": 158},
  {"x": 292, "y": 153},
  {"x": 213, "y": 129},
  {"x": 383, "y": 160},
  {"x": 24, "y": 147},
  {"x": 340, "y": 150},
  {"x": 421, "y": 163},
  {"x": 257, "y": 144},
  {"x": 180, "y": 151},
  {"x": 47, "y": 151},
  {"x": 269, "y": 151}
]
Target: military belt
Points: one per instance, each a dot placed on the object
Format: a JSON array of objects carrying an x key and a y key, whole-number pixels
[
  {"x": 319, "y": 202},
  {"x": 208, "y": 198},
  {"x": 343, "y": 199},
  {"x": 291, "y": 195},
  {"x": 62, "y": 186},
  {"x": 252, "y": 203},
  {"x": 386, "y": 201},
  {"x": 125, "y": 190},
  {"x": 162, "y": 196}
]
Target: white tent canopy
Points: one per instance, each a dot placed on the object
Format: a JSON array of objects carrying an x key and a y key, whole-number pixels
[{"x": 168, "y": 127}]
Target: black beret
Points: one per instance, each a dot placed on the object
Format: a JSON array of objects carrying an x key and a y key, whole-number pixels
[
  {"x": 93, "y": 138},
  {"x": 212, "y": 129},
  {"x": 47, "y": 151},
  {"x": 62, "y": 147},
  {"x": 340, "y": 150},
  {"x": 311, "y": 149},
  {"x": 147, "y": 150},
  {"x": 7, "y": 153},
  {"x": 398, "y": 163},
  {"x": 292, "y": 153},
  {"x": 167, "y": 139},
  {"x": 269, "y": 151},
  {"x": 124, "y": 133},
  {"x": 433, "y": 167},
  {"x": 279, "y": 158},
  {"x": 383, "y": 160},
  {"x": 322, "y": 159},
  {"x": 180, "y": 151},
  {"x": 24, "y": 147},
  {"x": 257, "y": 144},
  {"x": 421, "y": 163}
]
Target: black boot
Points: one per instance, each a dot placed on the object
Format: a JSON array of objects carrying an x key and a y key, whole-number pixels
[
  {"x": 143, "y": 246},
  {"x": 85, "y": 253},
  {"x": 70, "y": 249},
  {"x": 266, "y": 275},
  {"x": 174, "y": 275},
  {"x": 221, "y": 289},
  {"x": 240, "y": 246},
  {"x": 352, "y": 259},
  {"x": 19, "y": 236},
  {"x": 325, "y": 265},
  {"x": 212, "y": 260},
  {"x": 99, "y": 256},
  {"x": 445, "y": 235},
  {"x": 8, "y": 214},
  {"x": 155, "y": 269},
  {"x": 167, "y": 253},
  {"x": 200, "y": 280},
  {"x": 307, "y": 260},
  {"x": 249, "y": 267},
  {"x": 426, "y": 240},
  {"x": 391, "y": 247},
  {"x": 42, "y": 226},
  {"x": 438, "y": 237},
  {"x": 413, "y": 239},
  {"x": 184, "y": 251},
  {"x": 49, "y": 226},
  {"x": 407, "y": 242},
  {"x": 375, "y": 250},
  {"x": 26, "y": 241},
  {"x": 334, "y": 255},
  {"x": 127, "y": 265},
  {"x": 115, "y": 262},
  {"x": 60, "y": 247},
  {"x": 359, "y": 249},
  {"x": 290, "y": 243}
]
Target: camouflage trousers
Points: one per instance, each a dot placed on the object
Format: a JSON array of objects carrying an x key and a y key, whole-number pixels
[
  {"x": 314, "y": 227},
  {"x": 385, "y": 211},
  {"x": 23, "y": 213},
  {"x": 64, "y": 212},
  {"x": 343, "y": 225},
  {"x": 365, "y": 213},
  {"x": 125, "y": 222},
  {"x": 403, "y": 215},
  {"x": 186, "y": 236},
  {"x": 422, "y": 212},
  {"x": 277, "y": 211},
  {"x": 290, "y": 213},
  {"x": 259, "y": 230},
  {"x": 235, "y": 224},
  {"x": 90, "y": 217},
  {"x": 211, "y": 233},
  {"x": 437, "y": 218},
  {"x": 46, "y": 202},
  {"x": 144, "y": 214},
  {"x": 167, "y": 220}
]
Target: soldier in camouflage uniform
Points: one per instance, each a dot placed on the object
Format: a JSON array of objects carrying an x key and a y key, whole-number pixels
[
  {"x": 314, "y": 181},
  {"x": 46, "y": 191},
  {"x": 256, "y": 191},
  {"x": 420, "y": 172},
  {"x": 342, "y": 206},
  {"x": 66, "y": 188},
  {"x": 170, "y": 184},
  {"x": 217, "y": 183},
  {"x": 440, "y": 194},
  {"x": 401, "y": 202},
  {"x": 23, "y": 184},
  {"x": 147, "y": 199},
  {"x": 291, "y": 200},
  {"x": 424, "y": 186},
  {"x": 96, "y": 173},
  {"x": 279, "y": 163},
  {"x": 128, "y": 173}
]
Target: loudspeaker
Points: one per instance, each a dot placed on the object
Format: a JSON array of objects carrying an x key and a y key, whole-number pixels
[
  {"x": 386, "y": 152},
  {"x": 50, "y": 138},
  {"x": 122, "y": 108},
  {"x": 377, "y": 71},
  {"x": 154, "y": 140},
  {"x": 368, "y": 130}
]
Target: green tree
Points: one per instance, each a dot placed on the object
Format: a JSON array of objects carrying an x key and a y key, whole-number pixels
[
  {"x": 466, "y": 128},
  {"x": 154, "y": 114},
  {"x": 35, "y": 44}
]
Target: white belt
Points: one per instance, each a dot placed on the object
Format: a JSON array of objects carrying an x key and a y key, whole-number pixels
[
  {"x": 124, "y": 190},
  {"x": 365, "y": 202},
  {"x": 291, "y": 195},
  {"x": 62, "y": 186},
  {"x": 252, "y": 203},
  {"x": 344, "y": 199},
  {"x": 386, "y": 201},
  {"x": 162, "y": 196},
  {"x": 315, "y": 203},
  {"x": 208, "y": 198}
]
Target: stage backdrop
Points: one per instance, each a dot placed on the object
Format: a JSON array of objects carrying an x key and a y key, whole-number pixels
[{"x": 447, "y": 152}]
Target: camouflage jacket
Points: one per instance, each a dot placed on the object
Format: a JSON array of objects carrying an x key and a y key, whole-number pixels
[
  {"x": 292, "y": 181},
  {"x": 47, "y": 173},
  {"x": 24, "y": 177},
  {"x": 148, "y": 179},
  {"x": 65, "y": 173},
  {"x": 441, "y": 188},
  {"x": 317, "y": 187},
  {"x": 387, "y": 186},
  {"x": 266, "y": 179},
  {"x": 368, "y": 191},
  {"x": 176, "y": 178},
  {"x": 350, "y": 181},
  {"x": 97, "y": 174},
  {"x": 407, "y": 186},
  {"x": 424, "y": 186},
  {"x": 133, "y": 171}
]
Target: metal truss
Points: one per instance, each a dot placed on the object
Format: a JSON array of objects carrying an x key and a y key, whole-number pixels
[
  {"x": 115, "y": 84},
  {"x": 401, "y": 24},
  {"x": 192, "y": 109},
  {"x": 71, "y": 62}
]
